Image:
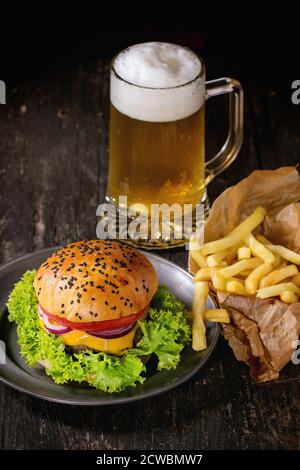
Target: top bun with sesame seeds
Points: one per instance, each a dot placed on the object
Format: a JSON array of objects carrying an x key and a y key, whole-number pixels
[{"x": 95, "y": 280}]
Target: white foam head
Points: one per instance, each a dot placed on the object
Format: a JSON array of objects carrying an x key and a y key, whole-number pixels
[{"x": 157, "y": 82}]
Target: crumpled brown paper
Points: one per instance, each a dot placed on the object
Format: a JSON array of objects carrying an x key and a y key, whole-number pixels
[{"x": 262, "y": 333}]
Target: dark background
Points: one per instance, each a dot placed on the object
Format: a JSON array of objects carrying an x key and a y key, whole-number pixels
[
  {"x": 262, "y": 43},
  {"x": 53, "y": 165}
]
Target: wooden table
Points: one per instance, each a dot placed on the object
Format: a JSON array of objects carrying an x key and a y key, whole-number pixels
[{"x": 53, "y": 166}]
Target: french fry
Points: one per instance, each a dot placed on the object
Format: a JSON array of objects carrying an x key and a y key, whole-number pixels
[
  {"x": 273, "y": 291},
  {"x": 236, "y": 287},
  {"x": 237, "y": 234},
  {"x": 240, "y": 266},
  {"x": 204, "y": 274},
  {"x": 232, "y": 252},
  {"x": 244, "y": 252},
  {"x": 245, "y": 273},
  {"x": 289, "y": 297},
  {"x": 285, "y": 253},
  {"x": 198, "y": 331},
  {"x": 219, "y": 282},
  {"x": 258, "y": 249},
  {"x": 196, "y": 254},
  {"x": 278, "y": 261},
  {"x": 216, "y": 258},
  {"x": 242, "y": 281},
  {"x": 254, "y": 278},
  {"x": 262, "y": 239},
  {"x": 275, "y": 277},
  {"x": 296, "y": 280},
  {"x": 217, "y": 315}
]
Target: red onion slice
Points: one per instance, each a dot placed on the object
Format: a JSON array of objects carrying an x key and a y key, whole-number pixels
[
  {"x": 110, "y": 334},
  {"x": 54, "y": 329}
]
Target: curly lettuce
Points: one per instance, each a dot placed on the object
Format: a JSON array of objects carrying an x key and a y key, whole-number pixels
[{"x": 165, "y": 332}]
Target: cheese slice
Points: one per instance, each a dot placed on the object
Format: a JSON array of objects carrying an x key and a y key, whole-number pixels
[{"x": 110, "y": 346}]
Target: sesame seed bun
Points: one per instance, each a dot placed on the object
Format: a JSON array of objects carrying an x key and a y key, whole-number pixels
[{"x": 95, "y": 280}]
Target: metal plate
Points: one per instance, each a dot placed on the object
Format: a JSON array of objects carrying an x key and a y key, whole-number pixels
[{"x": 34, "y": 381}]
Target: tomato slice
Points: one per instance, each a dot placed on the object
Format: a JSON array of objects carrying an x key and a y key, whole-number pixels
[{"x": 98, "y": 325}]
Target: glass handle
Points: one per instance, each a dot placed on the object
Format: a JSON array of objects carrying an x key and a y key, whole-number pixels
[{"x": 232, "y": 145}]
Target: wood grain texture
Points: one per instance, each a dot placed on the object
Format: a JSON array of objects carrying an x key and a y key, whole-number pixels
[{"x": 53, "y": 164}]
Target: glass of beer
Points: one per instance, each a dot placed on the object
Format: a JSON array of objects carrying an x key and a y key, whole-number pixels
[{"x": 156, "y": 139}]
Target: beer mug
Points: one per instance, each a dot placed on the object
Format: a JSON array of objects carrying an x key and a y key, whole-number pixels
[{"x": 157, "y": 127}]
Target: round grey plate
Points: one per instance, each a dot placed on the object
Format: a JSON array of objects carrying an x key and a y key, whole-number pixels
[{"x": 34, "y": 381}]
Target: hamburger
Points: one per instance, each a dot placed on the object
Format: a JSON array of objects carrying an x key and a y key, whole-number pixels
[
  {"x": 93, "y": 293},
  {"x": 93, "y": 313}
]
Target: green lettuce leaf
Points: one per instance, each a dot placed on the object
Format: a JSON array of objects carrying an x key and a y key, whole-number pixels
[
  {"x": 22, "y": 307},
  {"x": 165, "y": 332}
]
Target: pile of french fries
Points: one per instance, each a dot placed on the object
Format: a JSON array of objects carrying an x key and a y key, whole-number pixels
[{"x": 243, "y": 264}]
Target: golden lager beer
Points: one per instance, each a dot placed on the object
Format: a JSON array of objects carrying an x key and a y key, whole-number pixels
[
  {"x": 156, "y": 162},
  {"x": 156, "y": 125},
  {"x": 157, "y": 128}
]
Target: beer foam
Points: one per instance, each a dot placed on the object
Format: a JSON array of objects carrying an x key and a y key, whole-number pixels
[{"x": 157, "y": 82}]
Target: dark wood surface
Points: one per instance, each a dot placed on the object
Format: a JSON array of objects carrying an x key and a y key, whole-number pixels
[{"x": 53, "y": 164}]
